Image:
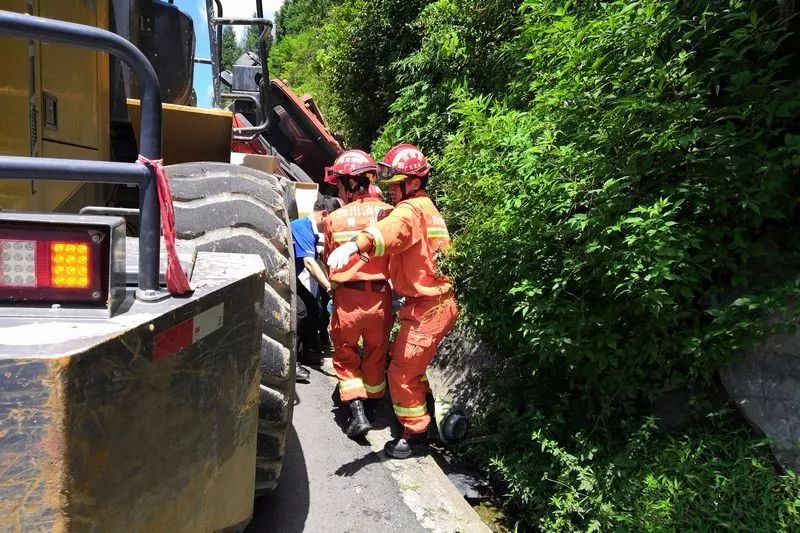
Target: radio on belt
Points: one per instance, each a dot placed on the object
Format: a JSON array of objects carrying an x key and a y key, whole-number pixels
[{"x": 61, "y": 265}]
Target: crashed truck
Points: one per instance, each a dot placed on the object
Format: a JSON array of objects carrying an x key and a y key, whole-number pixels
[{"x": 123, "y": 406}]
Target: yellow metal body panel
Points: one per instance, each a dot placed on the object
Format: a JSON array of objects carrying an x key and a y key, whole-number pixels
[
  {"x": 190, "y": 133},
  {"x": 69, "y": 74},
  {"x": 51, "y": 195},
  {"x": 40, "y": 195},
  {"x": 77, "y": 80},
  {"x": 15, "y": 194},
  {"x": 15, "y": 90}
]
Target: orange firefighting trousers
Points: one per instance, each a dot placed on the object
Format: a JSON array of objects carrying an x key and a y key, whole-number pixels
[
  {"x": 423, "y": 324},
  {"x": 362, "y": 313}
]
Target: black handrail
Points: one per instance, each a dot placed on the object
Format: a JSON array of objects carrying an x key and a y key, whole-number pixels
[
  {"x": 216, "y": 22},
  {"x": 248, "y": 133},
  {"x": 56, "y": 31}
]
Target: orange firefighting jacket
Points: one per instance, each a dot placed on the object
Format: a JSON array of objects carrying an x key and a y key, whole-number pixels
[
  {"x": 343, "y": 225},
  {"x": 414, "y": 235}
]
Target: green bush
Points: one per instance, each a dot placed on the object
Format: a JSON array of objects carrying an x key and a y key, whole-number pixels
[
  {"x": 294, "y": 57},
  {"x": 714, "y": 478},
  {"x": 459, "y": 57},
  {"x": 363, "y": 38},
  {"x": 624, "y": 212},
  {"x": 620, "y": 178},
  {"x": 298, "y": 16},
  {"x": 617, "y": 228},
  {"x": 294, "y": 60}
]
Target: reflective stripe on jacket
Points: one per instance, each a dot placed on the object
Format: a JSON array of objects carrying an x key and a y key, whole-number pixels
[
  {"x": 413, "y": 235},
  {"x": 343, "y": 225}
]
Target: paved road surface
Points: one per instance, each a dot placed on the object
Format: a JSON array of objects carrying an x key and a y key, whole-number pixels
[
  {"x": 333, "y": 484},
  {"x": 330, "y": 483}
]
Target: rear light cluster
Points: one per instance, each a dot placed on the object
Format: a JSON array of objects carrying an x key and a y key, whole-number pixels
[
  {"x": 60, "y": 260},
  {"x": 55, "y": 264},
  {"x": 42, "y": 263}
]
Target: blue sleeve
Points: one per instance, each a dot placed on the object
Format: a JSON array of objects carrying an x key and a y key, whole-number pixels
[{"x": 305, "y": 241}]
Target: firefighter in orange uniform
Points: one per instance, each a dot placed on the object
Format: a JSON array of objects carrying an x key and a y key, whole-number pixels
[
  {"x": 413, "y": 235},
  {"x": 362, "y": 299}
]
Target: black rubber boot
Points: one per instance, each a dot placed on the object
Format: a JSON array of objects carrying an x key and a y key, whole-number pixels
[
  {"x": 301, "y": 374},
  {"x": 407, "y": 445},
  {"x": 359, "y": 425},
  {"x": 430, "y": 403},
  {"x": 369, "y": 409}
]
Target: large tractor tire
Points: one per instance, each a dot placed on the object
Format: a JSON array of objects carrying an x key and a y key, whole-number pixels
[{"x": 230, "y": 208}]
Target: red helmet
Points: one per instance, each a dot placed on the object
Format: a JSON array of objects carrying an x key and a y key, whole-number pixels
[
  {"x": 405, "y": 160},
  {"x": 351, "y": 163}
]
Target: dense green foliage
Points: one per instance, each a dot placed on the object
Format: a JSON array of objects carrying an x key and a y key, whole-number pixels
[
  {"x": 620, "y": 178},
  {"x": 342, "y": 52},
  {"x": 296, "y": 16},
  {"x": 630, "y": 218},
  {"x": 459, "y": 58},
  {"x": 363, "y": 38},
  {"x": 623, "y": 191},
  {"x": 294, "y": 57},
  {"x": 713, "y": 478}
]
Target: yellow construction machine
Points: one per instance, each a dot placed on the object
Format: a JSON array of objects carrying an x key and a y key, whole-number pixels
[{"x": 122, "y": 406}]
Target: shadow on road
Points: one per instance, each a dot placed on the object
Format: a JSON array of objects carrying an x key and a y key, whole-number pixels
[
  {"x": 353, "y": 467},
  {"x": 292, "y": 493},
  {"x": 321, "y": 370}
]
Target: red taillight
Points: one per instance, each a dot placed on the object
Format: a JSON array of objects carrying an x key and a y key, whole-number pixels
[
  {"x": 53, "y": 264},
  {"x": 42, "y": 263}
]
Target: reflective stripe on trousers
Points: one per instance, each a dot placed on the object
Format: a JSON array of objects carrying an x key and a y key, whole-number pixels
[
  {"x": 366, "y": 315},
  {"x": 423, "y": 325}
]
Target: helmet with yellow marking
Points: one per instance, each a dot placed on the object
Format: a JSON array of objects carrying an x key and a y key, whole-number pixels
[
  {"x": 352, "y": 163},
  {"x": 401, "y": 162}
]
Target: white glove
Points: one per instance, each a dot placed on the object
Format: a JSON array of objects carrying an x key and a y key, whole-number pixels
[{"x": 341, "y": 256}]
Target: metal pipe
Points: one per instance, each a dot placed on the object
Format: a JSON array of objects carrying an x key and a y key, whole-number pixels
[
  {"x": 248, "y": 133},
  {"x": 242, "y": 21},
  {"x": 212, "y": 21},
  {"x": 218, "y": 102},
  {"x": 35, "y": 28},
  {"x": 246, "y": 138},
  {"x": 245, "y": 96},
  {"x": 202, "y": 60},
  {"x": 262, "y": 53},
  {"x": 44, "y": 168},
  {"x": 100, "y": 210},
  {"x": 213, "y": 49}
]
